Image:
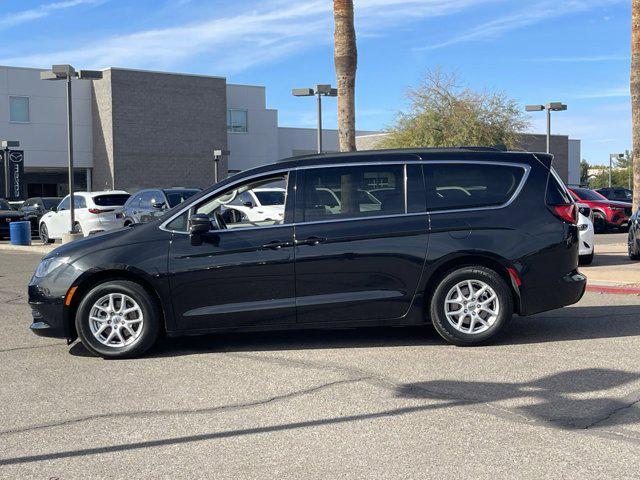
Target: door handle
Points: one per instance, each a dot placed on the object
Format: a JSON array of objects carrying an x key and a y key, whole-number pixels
[
  {"x": 311, "y": 241},
  {"x": 275, "y": 245}
]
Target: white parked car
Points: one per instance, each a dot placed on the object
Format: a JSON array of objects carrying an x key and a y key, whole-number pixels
[
  {"x": 260, "y": 204},
  {"x": 587, "y": 235},
  {"x": 94, "y": 212}
]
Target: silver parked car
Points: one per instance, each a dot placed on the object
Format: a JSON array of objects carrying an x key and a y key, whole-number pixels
[{"x": 146, "y": 205}]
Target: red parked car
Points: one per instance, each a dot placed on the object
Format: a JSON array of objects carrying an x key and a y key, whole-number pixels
[{"x": 606, "y": 213}]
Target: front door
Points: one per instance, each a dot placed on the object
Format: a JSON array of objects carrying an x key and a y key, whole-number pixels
[
  {"x": 360, "y": 242},
  {"x": 240, "y": 273},
  {"x": 60, "y": 220}
]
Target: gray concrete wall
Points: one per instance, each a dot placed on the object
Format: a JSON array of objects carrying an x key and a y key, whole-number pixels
[
  {"x": 534, "y": 142},
  {"x": 44, "y": 137},
  {"x": 163, "y": 130}
]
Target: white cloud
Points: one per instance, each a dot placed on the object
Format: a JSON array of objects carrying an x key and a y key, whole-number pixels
[
  {"x": 262, "y": 31},
  {"x": 11, "y": 19},
  {"x": 615, "y": 92},
  {"x": 533, "y": 12}
]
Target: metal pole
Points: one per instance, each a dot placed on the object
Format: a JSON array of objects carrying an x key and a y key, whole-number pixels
[
  {"x": 548, "y": 130},
  {"x": 215, "y": 170},
  {"x": 609, "y": 171},
  {"x": 72, "y": 206},
  {"x": 319, "y": 123}
]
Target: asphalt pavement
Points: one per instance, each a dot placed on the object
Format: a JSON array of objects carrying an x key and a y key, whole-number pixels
[{"x": 556, "y": 396}]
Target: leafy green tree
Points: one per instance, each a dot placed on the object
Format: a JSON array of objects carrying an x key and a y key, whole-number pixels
[
  {"x": 584, "y": 172},
  {"x": 442, "y": 113}
]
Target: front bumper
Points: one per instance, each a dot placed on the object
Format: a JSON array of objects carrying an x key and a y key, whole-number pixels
[
  {"x": 586, "y": 238},
  {"x": 47, "y": 312},
  {"x": 567, "y": 290}
]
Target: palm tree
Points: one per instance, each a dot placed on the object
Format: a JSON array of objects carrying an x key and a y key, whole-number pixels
[
  {"x": 345, "y": 57},
  {"x": 635, "y": 97}
]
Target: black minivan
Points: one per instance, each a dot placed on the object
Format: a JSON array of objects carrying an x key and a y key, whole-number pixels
[{"x": 461, "y": 238}]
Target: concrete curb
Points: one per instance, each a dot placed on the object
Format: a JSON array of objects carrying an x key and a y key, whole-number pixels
[
  {"x": 41, "y": 249},
  {"x": 614, "y": 289}
]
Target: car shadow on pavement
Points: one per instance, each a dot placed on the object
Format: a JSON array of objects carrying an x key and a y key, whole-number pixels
[
  {"x": 610, "y": 260},
  {"x": 573, "y": 323},
  {"x": 568, "y": 400}
]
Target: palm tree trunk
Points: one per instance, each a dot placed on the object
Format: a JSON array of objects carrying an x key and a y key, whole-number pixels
[
  {"x": 345, "y": 56},
  {"x": 635, "y": 98}
]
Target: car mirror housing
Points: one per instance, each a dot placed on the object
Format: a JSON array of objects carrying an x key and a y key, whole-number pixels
[
  {"x": 199, "y": 224},
  {"x": 248, "y": 204},
  {"x": 158, "y": 205}
]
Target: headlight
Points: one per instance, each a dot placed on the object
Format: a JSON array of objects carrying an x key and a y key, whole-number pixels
[{"x": 48, "y": 265}]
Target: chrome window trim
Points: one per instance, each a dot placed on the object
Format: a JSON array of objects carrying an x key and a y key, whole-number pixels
[{"x": 516, "y": 193}]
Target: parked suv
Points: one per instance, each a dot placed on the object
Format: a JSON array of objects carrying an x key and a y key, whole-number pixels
[
  {"x": 35, "y": 207},
  {"x": 93, "y": 211},
  {"x": 447, "y": 243},
  {"x": 606, "y": 213},
  {"x": 616, "y": 194},
  {"x": 146, "y": 205}
]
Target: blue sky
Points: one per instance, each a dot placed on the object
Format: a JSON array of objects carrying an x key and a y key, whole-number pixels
[{"x": 575, "y": 51}]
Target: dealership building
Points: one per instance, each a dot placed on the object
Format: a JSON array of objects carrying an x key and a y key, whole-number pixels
[{"x": 135, "y": 129}]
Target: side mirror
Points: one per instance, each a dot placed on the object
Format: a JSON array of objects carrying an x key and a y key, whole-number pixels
[
  {"x": 54, "y": 209},
  {"x": 158, "y": 205},
  {"x": 199, "y": 224},
  {"x": 248, "y": 204}
]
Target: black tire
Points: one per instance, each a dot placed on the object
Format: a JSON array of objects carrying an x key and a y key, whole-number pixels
[
  {"x": 586, "y": 259},
  {"x": 150, "y": 327},
  {"x": 78, "y": 228},
  {"x": 599, "y": 222},
  {"x": 44, "y": 234},
  {"x": 448, "y": 282}
]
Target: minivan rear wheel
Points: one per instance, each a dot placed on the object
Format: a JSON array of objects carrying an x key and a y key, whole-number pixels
[
  {"x": 470, "y": 305},
  {"x": 118, "y": 319}
]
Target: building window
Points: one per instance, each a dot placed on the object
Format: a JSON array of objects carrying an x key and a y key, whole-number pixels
[
  {"x": 19, "y": 109},
  {"x": 237, "y": 121}
]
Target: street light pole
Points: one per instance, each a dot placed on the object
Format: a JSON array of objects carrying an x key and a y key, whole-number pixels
[
  {"x": 217, "y": 155},
  {"x": 611, "y": 157},
  {"x": 552, "y": 106},
  {"x": 320, "y": 91},
  {"x": 67, "y": 72},
  {"x": 72, "y": 203},
  {"x": 319, "y": 122}
]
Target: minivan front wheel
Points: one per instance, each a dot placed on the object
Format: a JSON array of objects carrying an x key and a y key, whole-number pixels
[
  {"x": 118, "y": 319},
  {"x": 470, "y": 305}
]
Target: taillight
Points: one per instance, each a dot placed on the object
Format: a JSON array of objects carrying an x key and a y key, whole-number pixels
[
  {"x": 569, "y": 213},
  {"x": 95, "y": 210}
]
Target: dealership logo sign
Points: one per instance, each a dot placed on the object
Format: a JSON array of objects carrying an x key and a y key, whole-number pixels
[{"x": 16, "y": 157}]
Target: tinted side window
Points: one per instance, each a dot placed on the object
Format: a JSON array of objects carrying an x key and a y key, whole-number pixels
[
  {"x": 557, "y": 194},
  {"x": 470, "y": 185},
  {"x": 352, "y": 192},
  {"x": 64, "y": 204},
  {"x": 416, "y": 190},
  {"x": 79, "y": 202}
]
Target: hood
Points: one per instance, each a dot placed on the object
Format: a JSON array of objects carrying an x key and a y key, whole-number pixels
[{"x": 105, "y": 240}]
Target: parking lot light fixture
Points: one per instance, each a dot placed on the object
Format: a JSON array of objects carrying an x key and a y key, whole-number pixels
[
  {"x": 550, "y": 107},
  {"x": 217, "y": 155},
  {"x": 6, "y": 145},
  {"x": 320, "y": 91},
  {"x": 67, "y": 72}
]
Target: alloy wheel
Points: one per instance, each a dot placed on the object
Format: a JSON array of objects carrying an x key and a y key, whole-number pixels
[
  {"x": 471, "y": 306},
  {"x": 116, "y": 320}
]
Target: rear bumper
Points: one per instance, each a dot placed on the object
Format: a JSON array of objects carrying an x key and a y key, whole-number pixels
[{"x": 567, "y": 290}]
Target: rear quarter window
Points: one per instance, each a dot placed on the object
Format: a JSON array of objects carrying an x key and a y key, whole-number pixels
[
  {"x": 111, "y": 200},
  {"x": 468, "y": 185},
  {"x": 557, "y": 193}
]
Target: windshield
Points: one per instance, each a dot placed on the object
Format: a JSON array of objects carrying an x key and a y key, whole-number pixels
[
  {"x": 4, "y": 205},
  {"x": 270, "y": 197},
  {"x": 111, "y": 200},
  {"x": 175, "y": 197},
  {"x": 586, "y": 194}
]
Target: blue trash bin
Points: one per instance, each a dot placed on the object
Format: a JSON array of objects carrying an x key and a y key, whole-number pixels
[{"x": 20, "y": 233}]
